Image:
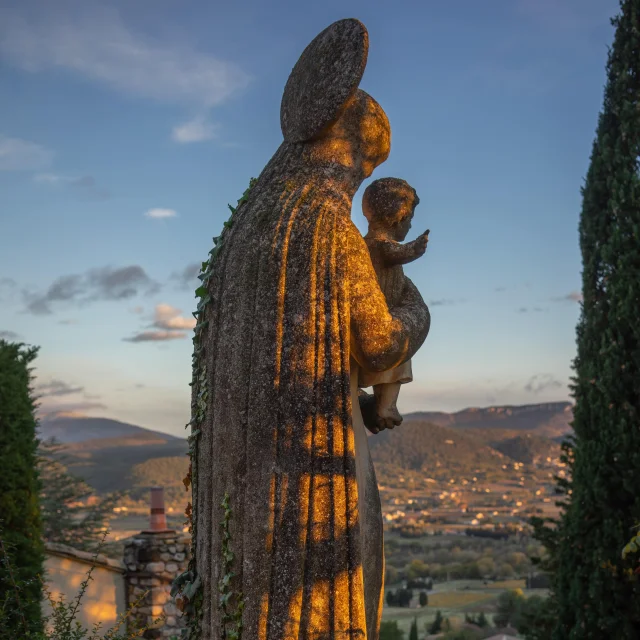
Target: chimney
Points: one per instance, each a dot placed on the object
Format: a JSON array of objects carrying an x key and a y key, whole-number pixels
[{"x": 157, "y": 517}]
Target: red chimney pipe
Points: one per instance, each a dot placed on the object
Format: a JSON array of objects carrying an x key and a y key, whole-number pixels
[{"x": 157, "y": 516}]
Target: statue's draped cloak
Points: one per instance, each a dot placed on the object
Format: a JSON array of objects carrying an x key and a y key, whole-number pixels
[{"x": 278, "y": 436}]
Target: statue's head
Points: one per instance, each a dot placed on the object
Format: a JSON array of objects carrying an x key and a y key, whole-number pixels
[
  {"x": 322, "y": 106},
  {"x": 359, "y": 140},
  {"x": 389, "y": 204}
]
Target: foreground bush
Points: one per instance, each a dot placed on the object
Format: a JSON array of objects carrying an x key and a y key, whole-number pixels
[{"x": 21, "y": 550}]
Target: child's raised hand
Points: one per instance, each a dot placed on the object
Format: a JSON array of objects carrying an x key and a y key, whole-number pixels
[{"x": 421, "y": 242}]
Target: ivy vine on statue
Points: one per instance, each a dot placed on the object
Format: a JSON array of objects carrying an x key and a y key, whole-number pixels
[{"x": 285, "y": 515}]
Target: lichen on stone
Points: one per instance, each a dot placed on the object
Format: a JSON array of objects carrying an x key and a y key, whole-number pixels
[{"x": 187, "y": 587}]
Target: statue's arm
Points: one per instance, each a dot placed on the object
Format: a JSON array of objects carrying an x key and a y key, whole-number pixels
[
  {"x": 381, "y": 338},
  {"x": 394, "y": 253}
]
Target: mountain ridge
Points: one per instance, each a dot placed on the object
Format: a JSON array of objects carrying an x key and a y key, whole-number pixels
[
  {"x": 112, "y": 455},
  {"x": 551, "y": 419}
]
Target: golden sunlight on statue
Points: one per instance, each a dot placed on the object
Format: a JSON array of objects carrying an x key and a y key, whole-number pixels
[{"x": 287, "y": 525}]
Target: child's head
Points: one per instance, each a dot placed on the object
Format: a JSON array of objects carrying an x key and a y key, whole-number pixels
[{"x": 389, "y": 203}]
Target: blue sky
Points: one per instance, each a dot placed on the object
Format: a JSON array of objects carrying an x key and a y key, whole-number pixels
[{"x": 127, "y": 127}]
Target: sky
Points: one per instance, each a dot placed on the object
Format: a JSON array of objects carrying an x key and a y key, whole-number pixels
[{"x": 127, "y": 127}]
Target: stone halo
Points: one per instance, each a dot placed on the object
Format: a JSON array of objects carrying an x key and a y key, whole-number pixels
[{"x": 326, "y": 75}]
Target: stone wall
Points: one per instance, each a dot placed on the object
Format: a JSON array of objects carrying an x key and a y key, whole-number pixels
[
  {"x": 104, "y": 600},
  {"x": 152, "y": 562}
]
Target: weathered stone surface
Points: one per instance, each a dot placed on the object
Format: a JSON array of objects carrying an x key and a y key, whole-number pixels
[
  {"x": 389, "y": 205},
  {"x": 154, "y": 579},
  {"x": 296, "y": 309},
  {"x": 322, "y": 81},
  {"x": 150, "y": 582}
]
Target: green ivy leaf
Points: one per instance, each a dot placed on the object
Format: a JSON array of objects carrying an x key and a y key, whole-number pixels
[
  {"x": 187, "y": 576},
  {"x": 189, "y": 590},
  {"x": 204, "y": 302}
]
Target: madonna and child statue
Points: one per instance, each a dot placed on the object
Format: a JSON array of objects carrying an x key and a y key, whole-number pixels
[{"x": 301, "y": 312}]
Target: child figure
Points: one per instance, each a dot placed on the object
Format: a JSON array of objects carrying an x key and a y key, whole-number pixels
[{"x": 389, "y": 204}]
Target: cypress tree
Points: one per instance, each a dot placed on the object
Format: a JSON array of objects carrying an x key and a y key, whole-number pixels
[
  {"x": 436, "y": 625},
  {"x": 595, "y": 594},
  {"x": 21, "y": 556},
  {"x": 413, "y": 632}
]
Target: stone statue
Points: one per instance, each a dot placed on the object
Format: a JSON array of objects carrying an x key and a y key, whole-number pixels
[
  {"x": 389, "y": 205},
  {"x": 287, "y": 521}
]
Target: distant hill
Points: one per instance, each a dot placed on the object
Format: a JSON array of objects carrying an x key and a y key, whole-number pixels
[
  {"x": 71, "y": 430},
  {"x": 529, "y": 448},
  {"x": 112, "y": 455},
  {"x": 418, "y": 445},
  {"x": 550, "y": 419}
]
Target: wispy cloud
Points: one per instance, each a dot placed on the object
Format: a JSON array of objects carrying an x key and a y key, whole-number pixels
[
  {"x": 574, "y": 296},
  {"x": 106, "y": 283},
  {"x": 84, "y": 185},
  {"x": 8, "y": 288},
  {"x": 155, "y": 336},
  {"x": 57, "y": 388},
  {"x": 196, "y": 130},
  {"x": 187, "y": 277},
  {"x": 78, "y": 409},
  {"x": 160, "y": 214},
  {"x": 17, "y": 154},
  {"x": 92, "y": 41},
  {"x": 54, "y": 399},
  {"x": 168, "y": 324},
  {"x": 532, "y": 310},
  {"x": 542, "y": 382},
  {"x": 8, "y": 335},
  {"x": 445, "y": 302},
  {"x": 168, "y": 317},
  {"x": 49, "y": 178}
]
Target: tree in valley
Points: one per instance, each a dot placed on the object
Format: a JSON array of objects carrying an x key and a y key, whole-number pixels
[
  {"x": 424, "y": 599},
  {"x": 68, "y": 516},
  {"x": 413, "y": 631},
  {"x": 594, "y": 590},
  {"x": 482, "y": 620},
  {"x": 536, "y": 619},
  {"x": 436, "y": 625},
  {"x": 389, "y": 630},
  {"x": 508, "y": 608},
  {"x": 399, "y": 598},
  {"x": 21, "y": 548}
]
